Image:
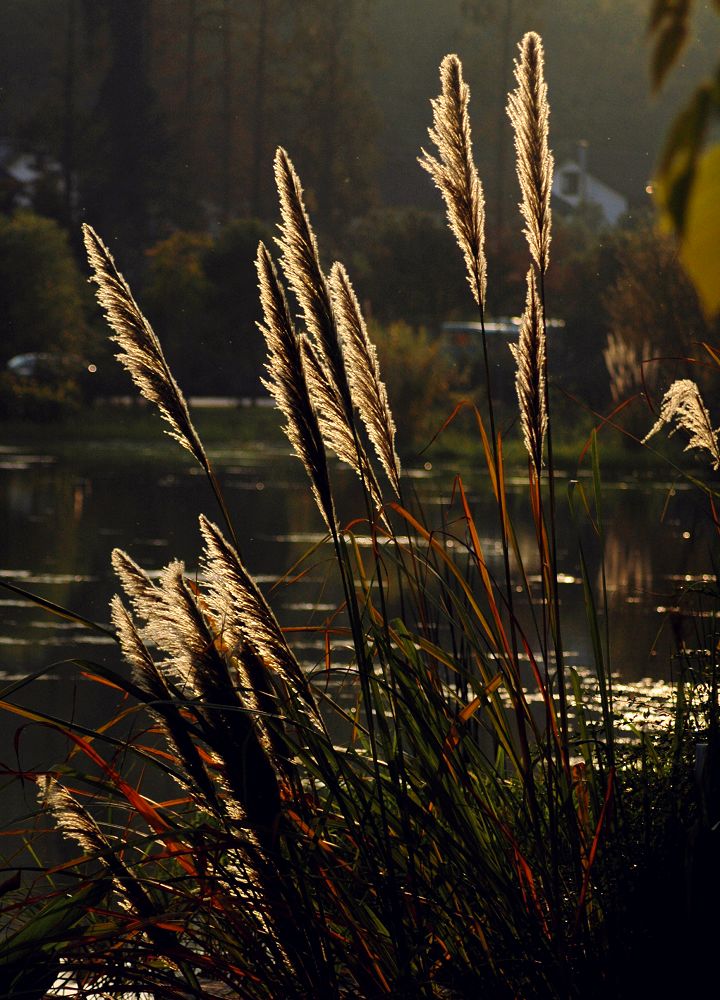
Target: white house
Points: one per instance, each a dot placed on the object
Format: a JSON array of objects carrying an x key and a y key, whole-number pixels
[
  {"x": 574, "y": 186},
  {"x": 22, "y": 172}
]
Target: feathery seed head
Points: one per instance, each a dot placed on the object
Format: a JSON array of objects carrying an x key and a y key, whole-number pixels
[
  {"x": 142, "y": 592},
  {"x": 140, "y": 351},
  {"x": 159, "y": 608},
  {"x": 287, "y": 383},
  {"x": 327, "y": 404},
  {"x": 683, "y": 404},
  {"x": 186, "y": 631},
  {"x": 529, "y": 114},
  {"x": 322, "y": 352},
  {"x": 530, "y": 376},
  {"x": 148, "y": 676},
  {"x": 74, "y": 821},
  {"x": 172, "y": 621},
  {"x": 624, "y": 364},
  {"x": 145, "y": 673},
  {"x": 455, "y": 174},
  {"x": 234, "y": 596},
  {"x": 301, "y": 266},
  {"x": 366, "y": 387},
  {"x": 332, "y": 419}
]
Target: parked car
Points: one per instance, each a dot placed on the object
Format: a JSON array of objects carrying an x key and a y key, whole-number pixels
[
  {"x": 462, "y": 341},
  {"x": 41, "y": 384},
  {"x": 44, "y": 366},
  {"x": 465, "y": 335}
]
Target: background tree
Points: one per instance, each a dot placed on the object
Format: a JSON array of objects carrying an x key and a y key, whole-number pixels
[
  {"x": 43, "y": 299},
  {"x": 175, "y": 299},
  {"x": 329, "y": 121},
  {"x": 344, "y": 86},
  {"x": 201, "y": 297},
  {"x": 162, "y": 115},
  {"x": 405, "y": 267},
  {"x": 653, "y": 308},
  {"x": 123, "y": 180}
]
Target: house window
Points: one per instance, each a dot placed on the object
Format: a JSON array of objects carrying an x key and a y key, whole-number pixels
[{"x": 570, "y": 183}]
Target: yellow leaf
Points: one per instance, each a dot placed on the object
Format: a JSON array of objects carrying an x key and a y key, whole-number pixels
[{"x": 700, "y": 244}]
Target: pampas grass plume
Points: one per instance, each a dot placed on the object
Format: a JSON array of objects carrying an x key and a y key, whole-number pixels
[
  {"x": 287, "y": 383},
  {"x": 529, "y": 114},
  {"x": 530, "y": 377},
  {"x": 140, "y": 351},
  {"x": 366, "y": 386},
  {"x": 301, "y": 266},
  {"x": 683, "y": 404},
  {"x": 455, "y": 174},
  {"x": 74, "y": 821}
]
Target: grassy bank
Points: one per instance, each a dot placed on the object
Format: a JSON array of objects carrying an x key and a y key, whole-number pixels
[{"x": 135, "y": 433}]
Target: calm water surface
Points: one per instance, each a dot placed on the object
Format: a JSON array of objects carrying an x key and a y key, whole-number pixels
[{"x": 62, "y": 517}]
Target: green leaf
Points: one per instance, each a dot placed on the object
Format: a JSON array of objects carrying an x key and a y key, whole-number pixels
[
  {"x": 678, "y": 163},
  {"x": 55, "y": 609},
  {"x": 46, "y": 930},
  {"x": 700, "y": 243},
  {"x": 670, "y": 24}
]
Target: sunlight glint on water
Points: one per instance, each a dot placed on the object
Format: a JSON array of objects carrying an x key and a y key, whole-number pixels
[{"x": 63, "y": 518}]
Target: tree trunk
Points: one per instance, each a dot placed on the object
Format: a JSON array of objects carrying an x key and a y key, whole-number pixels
[
  {"x": 336, "y": 27},
  {"x": 69, "y": 113},
  {"x": 258, "y": 150},
  {"x": 226, "y": 114},
  {"x": 190, "y": 57},
  {"x": 501, "y": 125}
]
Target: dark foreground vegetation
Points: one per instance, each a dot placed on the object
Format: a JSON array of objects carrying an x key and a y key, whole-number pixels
[{"x": 467, "y": 823}]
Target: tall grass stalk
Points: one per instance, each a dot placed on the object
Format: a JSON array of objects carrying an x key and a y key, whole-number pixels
[
  {"x": 529, "y": 114},
  {"x": 456, "y": 176}
]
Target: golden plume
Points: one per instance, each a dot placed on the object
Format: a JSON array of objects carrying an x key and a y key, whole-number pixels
[
  {"x": 248, "y": 620},
  {"x": 140, "y": 589},
  {"x": 325, "y": 365},
  {"x": 226, "y": 710},
  {"x": 301, "y": 266},
  {"x": 337, "y": 433},
  {"x": 529, "y": 113},
  {"x": 529, "y": 354},
  {"x": 287, "y": 384},
  {"x": 455, "y": 173},
  {"x": 162, "y": 705},
  {"x": 683, "y": 403},
  {"x": 140, "y": 350},
  {"x": 74, "y": 821},
  {"x": 624, "y": 364},
  {"x": 145, "y": 671},
  {"x": 77, "y": 824},
  {"x": 367, "y": 388}
]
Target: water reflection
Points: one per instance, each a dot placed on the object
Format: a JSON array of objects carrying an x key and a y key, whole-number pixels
[
  {"x": 628, "y": 568},
  {"x": 61, "y": 518}
]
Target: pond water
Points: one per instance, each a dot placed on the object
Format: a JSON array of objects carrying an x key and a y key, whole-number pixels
[{"x": 61, "y": 518}]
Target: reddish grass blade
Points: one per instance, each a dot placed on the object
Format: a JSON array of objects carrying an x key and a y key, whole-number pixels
[{"x": 594, "y": 846}]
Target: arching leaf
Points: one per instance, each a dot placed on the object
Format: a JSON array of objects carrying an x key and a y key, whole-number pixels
[
  {"x": 700, "y": 246},
  {"x": 669, "y": 25}
]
